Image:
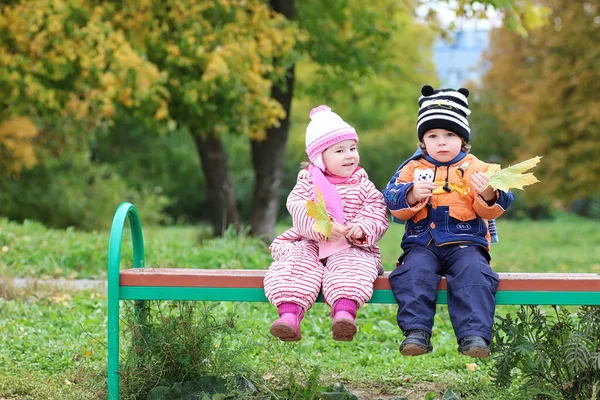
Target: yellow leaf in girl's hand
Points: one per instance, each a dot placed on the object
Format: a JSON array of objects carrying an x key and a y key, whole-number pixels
[
  {"x": 318, "y": 211},
  {"x": 513, "y": 176}
]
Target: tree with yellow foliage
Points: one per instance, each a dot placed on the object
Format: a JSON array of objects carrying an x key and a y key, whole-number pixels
[
  {"x": 64, "y": 67},
  {"x": 545, "y": 89},
  {"x": 213, "y": 68}
]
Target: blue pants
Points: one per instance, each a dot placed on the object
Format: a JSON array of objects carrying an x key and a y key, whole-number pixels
[{"x": 471, "y": 288}]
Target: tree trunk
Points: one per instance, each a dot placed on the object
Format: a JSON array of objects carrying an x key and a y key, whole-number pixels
[
  {"x": 268, "y": 155},
  {"x": 220, "y": 194}
]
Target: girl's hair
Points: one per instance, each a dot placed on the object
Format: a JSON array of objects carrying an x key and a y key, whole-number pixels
[
  {"x": 304, "y": 164},
  {"x": 465, "y": 147}
]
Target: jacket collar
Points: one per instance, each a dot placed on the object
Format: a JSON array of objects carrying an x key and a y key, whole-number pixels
[{"x": 456, "y": 159}]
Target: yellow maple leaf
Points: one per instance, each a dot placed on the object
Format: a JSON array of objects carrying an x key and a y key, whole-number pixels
[
  {"x": 318, "y": 211},
  {"x": 513, "y": 176}
]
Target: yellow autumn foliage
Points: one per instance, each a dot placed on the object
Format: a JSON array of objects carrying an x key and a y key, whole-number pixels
[
  {"x": 221, "y": 59},
  {"x": 16, "y": 145},
  {"x": 63, "y": 57},
  {"x": 543, "y": 89},
  {"x": 83, "y": 62}
]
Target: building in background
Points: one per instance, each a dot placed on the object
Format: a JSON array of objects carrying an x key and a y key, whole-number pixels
[{"x": 459, "y": 59}]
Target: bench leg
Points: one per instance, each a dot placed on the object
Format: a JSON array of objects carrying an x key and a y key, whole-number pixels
[
  {"x": 113, "y": 348},
  {"x": 140, "y": 333}
]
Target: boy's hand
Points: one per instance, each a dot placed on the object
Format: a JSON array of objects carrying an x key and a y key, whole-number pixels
[
  {"x": 480, "y": 182},
  {"x": 337, "y": 231},
  {"x": 354, "y": 232},
  {"x": 420, "y": 190}
]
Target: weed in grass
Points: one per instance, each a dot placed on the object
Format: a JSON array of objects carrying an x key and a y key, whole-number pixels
[{"x": 180, "y": 343}]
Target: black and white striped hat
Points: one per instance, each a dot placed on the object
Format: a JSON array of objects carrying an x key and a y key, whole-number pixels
[{"x": 444, "y": 109}]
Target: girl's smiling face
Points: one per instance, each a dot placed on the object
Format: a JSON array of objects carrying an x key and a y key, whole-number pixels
[
  {"x": 442, "y": 144},
  {"x": 342, "y": 158}
]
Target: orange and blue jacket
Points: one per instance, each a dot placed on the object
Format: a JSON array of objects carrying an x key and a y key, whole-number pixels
[{"x": 455, "y": 214}]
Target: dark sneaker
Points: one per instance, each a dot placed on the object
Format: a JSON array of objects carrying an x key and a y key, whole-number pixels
[
  {"x": 474, "y": 346},
  {"x": 416, "y": 343}
]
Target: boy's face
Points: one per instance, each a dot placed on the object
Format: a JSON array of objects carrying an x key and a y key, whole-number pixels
[
  {"x": 342, "y": 158},
  {"x": 442, "y": 145}
]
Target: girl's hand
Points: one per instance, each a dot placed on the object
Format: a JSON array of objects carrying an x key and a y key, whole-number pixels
[
  {"x": 354, "y": 232},
  {"x": 480, "y": 182},
  {"x": 420, "y": 190},
  {"x": 337, "y": 231}
]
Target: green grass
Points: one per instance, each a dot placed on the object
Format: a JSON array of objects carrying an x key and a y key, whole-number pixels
[
  {"x": 31, "y": 250},
  {"x": 54, "y": 343},
  {"x": 565, "y": 244}
]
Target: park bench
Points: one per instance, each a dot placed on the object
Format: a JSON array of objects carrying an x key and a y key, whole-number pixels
[{"x": 140, "y": 283}]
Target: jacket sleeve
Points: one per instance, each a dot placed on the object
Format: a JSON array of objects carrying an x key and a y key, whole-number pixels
[
  {"x": 372, "y": 216},
  {"x": 395, "y": 193},
  {"x": 501, "y": 204},
  {"x": 486, "y": 211},
  {"x": 296, "y": 205}
]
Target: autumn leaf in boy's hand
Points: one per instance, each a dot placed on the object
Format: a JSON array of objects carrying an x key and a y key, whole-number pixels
[
  {"x": 318, "y": 211},
  {"x": 513, "y": 176}
]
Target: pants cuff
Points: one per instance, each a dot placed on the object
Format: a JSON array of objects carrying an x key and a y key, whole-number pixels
[
  {"x": 486, "y": 335},
  {"x": 414, "y": 327}
]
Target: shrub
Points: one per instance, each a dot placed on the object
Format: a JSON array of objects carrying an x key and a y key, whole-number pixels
[
  {"x": 588, "y": 207},
  {"x": 556, "y": 356},
  {"x": 74, "y": 192}
]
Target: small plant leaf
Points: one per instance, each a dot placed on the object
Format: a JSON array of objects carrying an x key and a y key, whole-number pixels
[
  {"x": 513, "y": 176},
  {"x": 450, "y": 394},
  {"x": 318, "y": 211}
]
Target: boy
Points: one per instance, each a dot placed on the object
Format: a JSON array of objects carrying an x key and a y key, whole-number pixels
[{"x": 445, "y": 198}]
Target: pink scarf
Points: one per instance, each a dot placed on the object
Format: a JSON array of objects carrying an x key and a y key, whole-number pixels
[{"x": 326, "y": 183}]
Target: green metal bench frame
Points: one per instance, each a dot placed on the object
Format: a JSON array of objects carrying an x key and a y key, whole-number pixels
[{"x": 142, "y": 283}]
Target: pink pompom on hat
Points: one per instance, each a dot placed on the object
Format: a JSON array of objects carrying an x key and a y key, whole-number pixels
[{"x": 325, "y": 129}]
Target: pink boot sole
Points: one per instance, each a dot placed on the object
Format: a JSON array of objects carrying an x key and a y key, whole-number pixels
[
  {"x": 344, "y": 327},
  {"x": 284, "y": 331}
]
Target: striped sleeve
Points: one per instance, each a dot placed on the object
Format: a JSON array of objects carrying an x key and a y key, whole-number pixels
[
  {"x": 296, "y": 205},
  {"x": 372, "y": 216}
]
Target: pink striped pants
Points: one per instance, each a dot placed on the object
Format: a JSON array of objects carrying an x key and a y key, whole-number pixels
[{"x": 297, "y": 275}]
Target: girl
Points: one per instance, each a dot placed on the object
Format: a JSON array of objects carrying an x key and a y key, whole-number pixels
[{"x": 345, "y": 265}]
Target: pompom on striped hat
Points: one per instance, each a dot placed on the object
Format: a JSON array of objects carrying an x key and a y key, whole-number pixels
[{"x": 443, "y": 109}]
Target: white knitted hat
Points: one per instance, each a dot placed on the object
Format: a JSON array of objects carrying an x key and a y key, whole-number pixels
[{"x": 325, "y": 129}]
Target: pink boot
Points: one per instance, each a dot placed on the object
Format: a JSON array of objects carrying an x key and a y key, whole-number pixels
[
  {"x": 287, "y": 326},
  {"x": 344, "y": 313}
]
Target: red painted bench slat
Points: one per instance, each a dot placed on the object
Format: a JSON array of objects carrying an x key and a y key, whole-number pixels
[{"x": 247, "y": 278}]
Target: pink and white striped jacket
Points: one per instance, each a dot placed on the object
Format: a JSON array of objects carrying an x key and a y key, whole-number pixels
[{"x": 363, "y": 205}]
